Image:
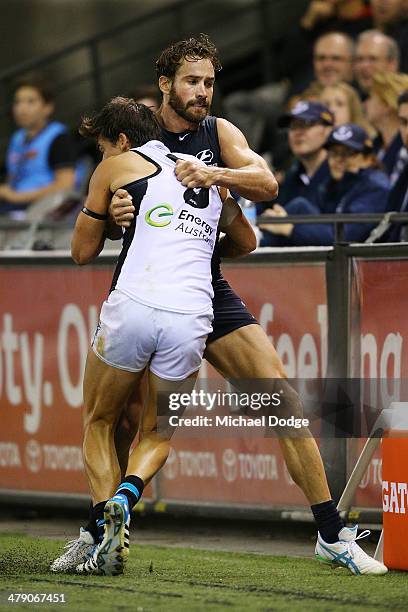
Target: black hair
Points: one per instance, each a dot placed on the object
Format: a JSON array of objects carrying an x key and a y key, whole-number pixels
[
  {"x": 122, "y": 115},
  {"x": 191, "y": 49}
]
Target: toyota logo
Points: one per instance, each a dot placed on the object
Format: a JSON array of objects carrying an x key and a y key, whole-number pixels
[
  {"x": 33, "y": 456},
  {"x": 229, "y": 465}
]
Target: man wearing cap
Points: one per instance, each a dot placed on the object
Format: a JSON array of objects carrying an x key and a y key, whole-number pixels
[
  {"x": 355, "y": 186},
  {"x": 309, "y": 125}
]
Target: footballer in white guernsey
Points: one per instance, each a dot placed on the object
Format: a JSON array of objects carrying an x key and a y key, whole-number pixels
[
  {"x": 159, "y": 310},
  {"x": 237, "y": 347}
]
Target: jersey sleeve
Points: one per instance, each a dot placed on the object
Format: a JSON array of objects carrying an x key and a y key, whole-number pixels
[{"x": 63, "y": 153}]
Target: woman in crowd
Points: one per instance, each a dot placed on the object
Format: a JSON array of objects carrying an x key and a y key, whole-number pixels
[
  {"x": 344, "y": 102},
  {"x": 382, "y": 113},
  {"x": 356, "y": 185}
]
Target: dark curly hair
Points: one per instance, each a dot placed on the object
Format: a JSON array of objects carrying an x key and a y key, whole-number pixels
[
  {"x": 122, "y": 115},
  {"x": 192, "y": 49}
]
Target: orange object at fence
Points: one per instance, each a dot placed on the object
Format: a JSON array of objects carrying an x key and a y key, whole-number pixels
[{"x": 395, "y": 499}]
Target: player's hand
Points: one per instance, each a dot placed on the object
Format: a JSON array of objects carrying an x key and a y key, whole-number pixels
[
  {"x": 193, "y": 174},
  {"x": 121, "y": 208},
  {"x": 284, "y": 229}
]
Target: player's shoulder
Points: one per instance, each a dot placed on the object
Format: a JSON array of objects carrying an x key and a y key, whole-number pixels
[
  {"x": 114, "y": 164},
  {"x": 226, "y": 127}
]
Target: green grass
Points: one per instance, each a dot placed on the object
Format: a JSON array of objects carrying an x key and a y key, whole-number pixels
[{"x": 176, "y": 579}]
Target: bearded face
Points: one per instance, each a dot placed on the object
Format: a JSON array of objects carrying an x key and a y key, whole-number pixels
[
  {"x": 191, "y": 90},
  {"x": 193, "y": 110}
]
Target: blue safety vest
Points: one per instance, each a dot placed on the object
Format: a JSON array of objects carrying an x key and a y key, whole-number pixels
[{"x": 27, "y": 161}]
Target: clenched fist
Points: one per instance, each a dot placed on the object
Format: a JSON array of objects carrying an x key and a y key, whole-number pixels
[
  {"x": 121, "y": 208},
  {"x": 193, "y": 174}
]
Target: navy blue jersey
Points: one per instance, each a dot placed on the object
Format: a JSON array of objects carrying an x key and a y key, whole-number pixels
[{"x": 202, "y": 143}]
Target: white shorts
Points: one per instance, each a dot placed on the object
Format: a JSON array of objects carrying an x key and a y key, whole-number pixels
[{"x": 130, "y": 335}]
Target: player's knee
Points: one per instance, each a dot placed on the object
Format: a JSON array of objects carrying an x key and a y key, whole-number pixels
[{"x": 127, "y": 427}]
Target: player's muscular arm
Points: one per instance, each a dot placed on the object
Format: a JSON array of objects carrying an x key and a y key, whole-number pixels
[
  {"x": 90, "y": 232},
  {"x": 239, "y": 236},
  {"x": 246, "y": 173}
]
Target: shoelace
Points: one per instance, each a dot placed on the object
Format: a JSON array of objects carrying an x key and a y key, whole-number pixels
[
  {"x": 73, "y": 543},
  {"x": 350, "y": 544}
]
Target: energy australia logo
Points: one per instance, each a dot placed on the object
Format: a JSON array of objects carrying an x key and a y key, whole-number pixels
[{"x": 159, "y": 216}]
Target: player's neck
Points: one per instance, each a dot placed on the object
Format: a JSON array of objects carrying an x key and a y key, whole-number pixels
[{"x": 172, "y": 122}]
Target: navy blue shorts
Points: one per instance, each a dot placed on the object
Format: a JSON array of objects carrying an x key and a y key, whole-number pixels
[{"x": 230, "y": 312}]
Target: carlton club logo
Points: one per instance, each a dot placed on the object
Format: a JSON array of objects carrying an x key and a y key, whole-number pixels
[
  {"x": 343, "y": 133},
  {"x": 300, "y": 108},
  {"x": 158, "y": 215}
]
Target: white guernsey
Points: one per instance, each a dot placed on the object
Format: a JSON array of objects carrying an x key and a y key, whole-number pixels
[{"x": 167, "y": 259}]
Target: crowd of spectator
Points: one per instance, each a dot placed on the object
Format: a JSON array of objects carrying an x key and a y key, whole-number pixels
[
  {"x": 342, "y": 121},
  {"x": 356, "y": 161}
]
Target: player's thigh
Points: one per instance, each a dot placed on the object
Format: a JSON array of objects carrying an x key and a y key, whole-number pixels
[
  {"x": 106, "y": 389},
  {"x": 157, "y": 411},
  {"x": 245, "y": 353}
]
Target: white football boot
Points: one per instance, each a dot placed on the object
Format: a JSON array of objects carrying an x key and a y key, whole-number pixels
[
  {"x": 110, "y": 556},
  {"x": 77, "y": 551},
  {"x": 347, "y": 553}
]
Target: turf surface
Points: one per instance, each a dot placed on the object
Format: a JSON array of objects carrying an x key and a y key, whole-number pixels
[{"x": 178, "y": 579}]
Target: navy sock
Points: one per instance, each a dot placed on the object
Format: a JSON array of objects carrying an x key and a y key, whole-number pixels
[
  {"x": 132, "y": 488},
  {"x": 328, "y": 521},
  {"x": 96, "y": 521}
]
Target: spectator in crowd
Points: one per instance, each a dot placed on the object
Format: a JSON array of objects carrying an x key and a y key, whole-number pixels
[
  {"x": 355, "y": 185},
  {"x": 333, "y": 58},
  {"x": 382, "y": 113},
  {"x": 391, "y": 17},
  {"x": 375, "y": 52},
  {"x": 333, "y": 55},
  {"x": 294, "y": 52},
  {"x": 398, "y": 198},
  {"x": 147, "y": 95},
  {"x": 309, "y": 125},
  {"x": 41, "y": 154},
  {"x": 344, "y": 102}
]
